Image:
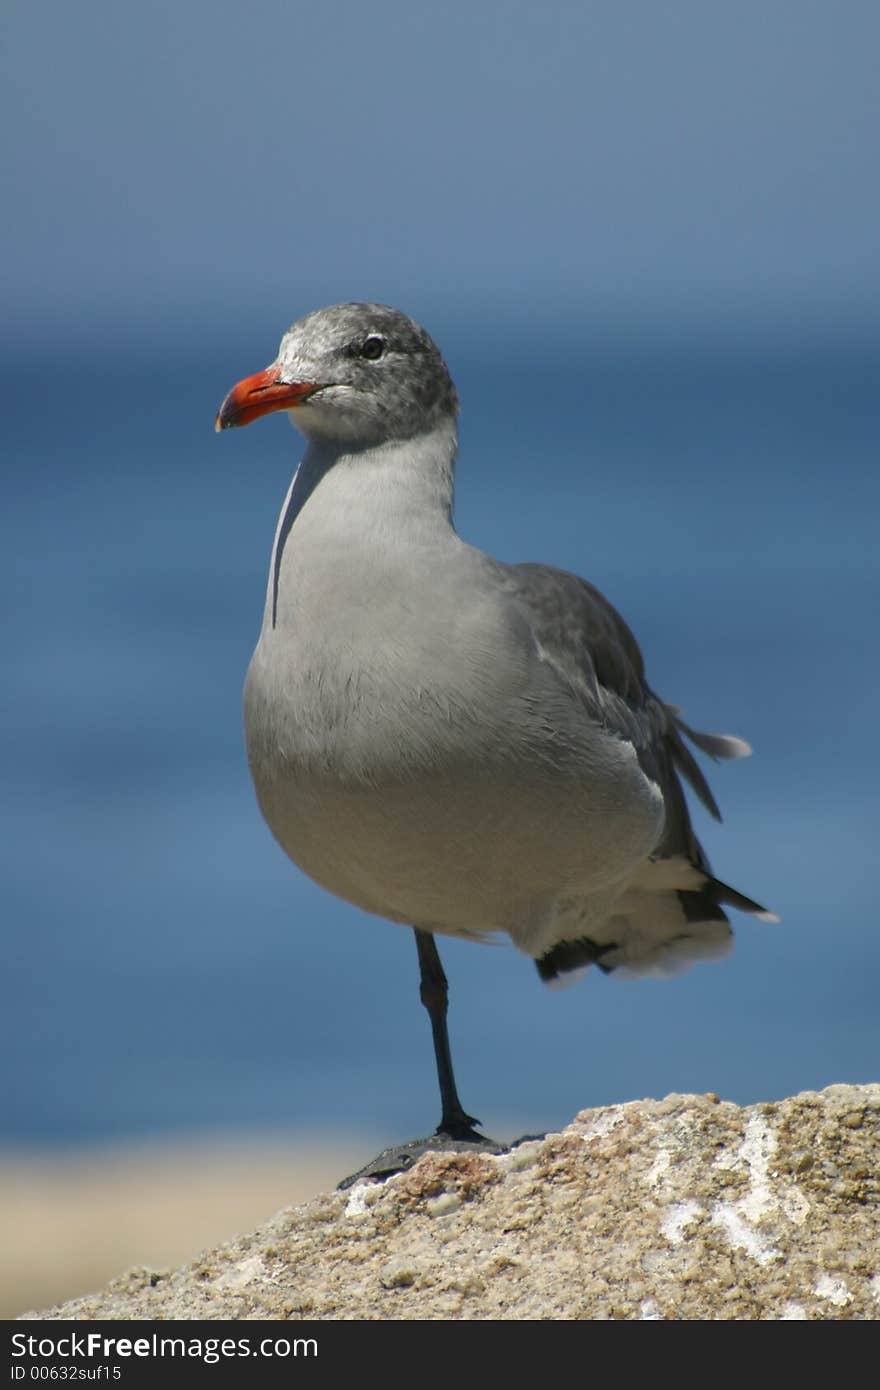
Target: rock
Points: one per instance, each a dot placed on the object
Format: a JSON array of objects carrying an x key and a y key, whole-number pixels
[{"x": 689, "y": 1207}]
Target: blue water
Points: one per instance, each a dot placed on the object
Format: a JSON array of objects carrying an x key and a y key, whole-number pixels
[{"x": 168, "y": 970}]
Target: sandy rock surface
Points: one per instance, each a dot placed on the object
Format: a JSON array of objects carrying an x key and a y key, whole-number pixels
[{"x": 687, "y": 1207}]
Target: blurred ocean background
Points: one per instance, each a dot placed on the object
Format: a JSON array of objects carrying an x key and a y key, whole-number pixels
[{"x": 646, "y": 240}]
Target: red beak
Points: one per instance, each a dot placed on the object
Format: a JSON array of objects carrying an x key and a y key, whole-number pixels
[{"x": 258, "y": 395}]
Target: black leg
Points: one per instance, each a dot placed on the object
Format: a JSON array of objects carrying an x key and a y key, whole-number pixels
[
  {"x": 434, "y": 993},
  {"x": 455, "y": 1132}
]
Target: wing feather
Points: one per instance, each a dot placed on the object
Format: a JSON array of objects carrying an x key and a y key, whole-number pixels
[{"x": 674, "y": 914}]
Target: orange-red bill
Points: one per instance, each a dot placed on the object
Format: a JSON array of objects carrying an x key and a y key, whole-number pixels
[{"x": 258, "y": 395}]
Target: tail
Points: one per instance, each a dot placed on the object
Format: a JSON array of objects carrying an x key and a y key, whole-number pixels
[
  {"x": 657, "y": 928},
  {"x": 672, "y": 912}
]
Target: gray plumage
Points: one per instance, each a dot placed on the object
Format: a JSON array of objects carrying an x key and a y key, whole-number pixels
[{"x": 447, "y": 741}]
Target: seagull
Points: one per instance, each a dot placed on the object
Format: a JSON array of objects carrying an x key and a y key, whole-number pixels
[{"x": 460, "y": 745}]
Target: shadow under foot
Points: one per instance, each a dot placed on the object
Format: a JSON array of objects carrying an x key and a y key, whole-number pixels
[{"x": 402, "y": 1156}]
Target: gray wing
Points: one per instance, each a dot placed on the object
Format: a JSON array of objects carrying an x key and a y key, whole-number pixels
[{"x": 591, "y": 647}]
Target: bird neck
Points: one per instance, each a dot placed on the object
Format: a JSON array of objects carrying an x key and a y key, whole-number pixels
[
  {"x": 409, "y": 478},
  {"x": 345, "y": 501}
]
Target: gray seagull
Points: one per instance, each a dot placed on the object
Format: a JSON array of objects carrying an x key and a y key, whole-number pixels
[{"x": 461, "y": 745}]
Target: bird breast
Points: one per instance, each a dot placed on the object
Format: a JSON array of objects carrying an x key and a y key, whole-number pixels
[{"x": 388, "y": 785}]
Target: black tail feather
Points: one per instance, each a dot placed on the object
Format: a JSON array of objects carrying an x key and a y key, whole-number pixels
[
  {"x": 725, "y": 894},
  {"x": 689, "y": 769}
]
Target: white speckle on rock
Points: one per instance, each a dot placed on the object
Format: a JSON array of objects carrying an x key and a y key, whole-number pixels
[
  {"x": 793, "y": 1312},
  {"x": 767, "y": 1192},
  {"x": 834, "y": 1290},
  {"x": 238, "y": 1276},
  {"x": 795, "y": 1205},
  {"x": 603, "y": 1124},
  {"x": 650, "y": 1311},
  {"x": 677, "y": 1218},
  {"x": 758, "y": 1146},
  {"x": 444, "y": 1204},
  {"x": 357, "y": 1199},
  {"x": 659, "y": 1168},
  {"x": 874, "y": 1286},
  {"x": 741, "y": 1235},
  {"x": 516, "y": 1159}
]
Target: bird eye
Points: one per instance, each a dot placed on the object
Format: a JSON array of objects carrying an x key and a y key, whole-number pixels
[{"x": 373, "y": 347}]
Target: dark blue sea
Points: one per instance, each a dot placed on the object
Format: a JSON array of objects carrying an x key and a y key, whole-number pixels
[{"x": 167, "y": 970}]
